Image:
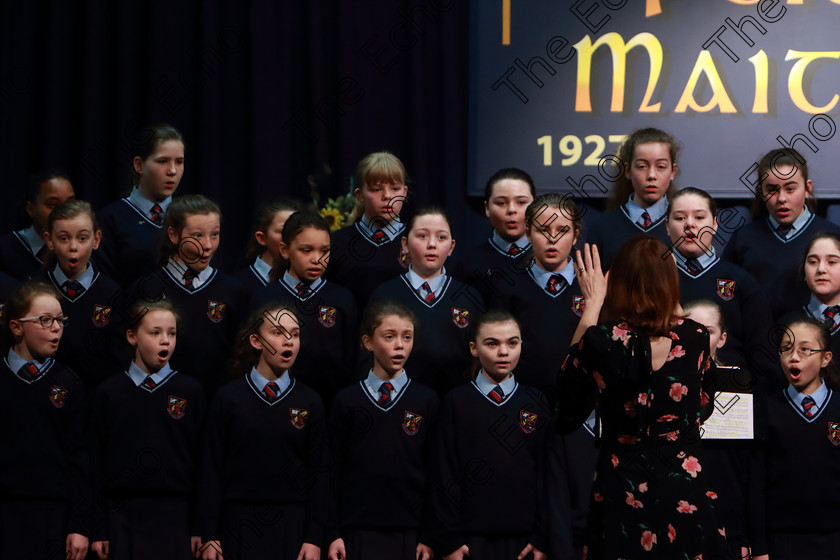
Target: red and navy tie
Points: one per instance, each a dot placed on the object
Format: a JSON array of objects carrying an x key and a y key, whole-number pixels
[
  {"x": 378, "y": 237},
  {"x": 385, "y": 394},
  {"x": 513, "y": 250},
  {"x": 693, "y": 266},
  {"x": 271, "y": 390},
  {"x": 808, "y": 404},
  {"x": 156, "y": 214},
  {"x": 189, "y": 276},
  {"x": 302, "y": 290},
  {"x": 645, "y": 221},
  {"x": 783, "y": 230},
  {"x": 29, "y": 371},
  {"x": 426, "y": 293},
  {"x": 149, "y": 383},
  {"x": 555, "y": 284},
  {"x": 828, "y": 317},
  {"x": 497, "y": 394},
  {"x": 72, "y": 288}
]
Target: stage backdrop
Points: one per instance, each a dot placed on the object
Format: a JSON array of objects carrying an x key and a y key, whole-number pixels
[{"x": 556, "y": 86}]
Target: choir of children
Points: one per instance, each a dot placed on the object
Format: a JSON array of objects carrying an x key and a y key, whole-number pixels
[{"x": 307, "y": 446}]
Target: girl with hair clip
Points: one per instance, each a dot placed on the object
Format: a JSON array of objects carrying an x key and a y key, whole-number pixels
[
  {"x": 801, "y": 475},
  {"x": 263, "y": 251},
  {"x": 381, "y": 429},
  {"x": 327, "y": 311},
  {"x": 22, "y": 252},
  {"x": 645, "y": 365},
  {"x": 369, "y": 252},
  {"x": 488, "y": 491},
  {"x": 691, "y": 223},
  {"x": 639, "y": 200},
  {"x": 95, "y": 346},
  {"x": 497, "y": 261},
  {"x": 132, "y": 226},
  {"x": 264, "y": 473},
  {"x": 445, "y": 308},
  {"x": 44, "y": 467},
  {"x": 211, "y": 302},
  {"x": 148, "y": 414},
  {"x": 732, "y": 464},
  {"x": 771, "y": 246}
]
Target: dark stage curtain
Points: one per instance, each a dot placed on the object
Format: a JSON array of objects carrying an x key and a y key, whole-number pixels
[{"x": 267, "y": 94}]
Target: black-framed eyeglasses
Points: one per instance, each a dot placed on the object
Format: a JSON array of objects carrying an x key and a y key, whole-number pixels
[
  {"x": 47, "y": 321},
  {"x": 802, "y": 352}
]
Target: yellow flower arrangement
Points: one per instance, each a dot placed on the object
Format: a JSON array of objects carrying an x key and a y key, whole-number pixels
[{"x": 333, "y": 216}]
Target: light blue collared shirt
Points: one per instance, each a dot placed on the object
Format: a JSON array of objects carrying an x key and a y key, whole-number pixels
[
  {"x": 263, "y": 269},
  {"x": 373, "y": 383},
  {"x": 541, "y": 275},
  {"x": 85, "y": 278},
  {"x": 35, "y": 241},
  {"x": 706, "y": 260},
  {"x": 145, "y": 205},
  {"x": 435, "y": 284},
  {"x": 819, "y": 397},
  {"x": 485, "y": 384},
  {"x": 522, "y": 242},
  {"x": 815, "y": 307},
  {"x": 797, "y": 224},
  {"x": 260, "y": 382},
  {"x": 655, "y": 211},
  {"x": 391, "y": 229},
  {"x": 292, "y": 282},
  {"x": 177, "y": 270},
  {"x": 16, "y": 362},
  {"x": 137, "y": 375}
]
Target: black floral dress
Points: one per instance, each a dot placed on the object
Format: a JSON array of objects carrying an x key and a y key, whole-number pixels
[{"x": 650, "y": 497}]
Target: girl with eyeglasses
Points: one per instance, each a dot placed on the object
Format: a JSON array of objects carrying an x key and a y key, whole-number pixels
[
  {"x": 44, "y": 480},
  {"x": 803, "y": 439}
]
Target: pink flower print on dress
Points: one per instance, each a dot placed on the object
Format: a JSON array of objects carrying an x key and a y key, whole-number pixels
[
  {"x": 666, "y": 418},
  {"x": 678, "y": 391},
  {"x": 711, "y": 495},
  {"x": 685, "y": 507},
  {"x": 614, "y": 460},
  {"x": 643, "y": 399},
  {"x": 642, "y": 487},
  {"x": 672, "y": 533},
  {"x": 632, "y": 501},
  {"x": 648, "y": 540},
  {"x": 676, "y": 352},
  {"x": 692, "y": 466},
  {"x": 621, "y": 332}
]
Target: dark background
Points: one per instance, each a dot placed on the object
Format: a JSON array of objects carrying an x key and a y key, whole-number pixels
[{"x": 267, "y": 93}]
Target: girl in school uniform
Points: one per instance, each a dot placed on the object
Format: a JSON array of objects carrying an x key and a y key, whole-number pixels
[
  {"x": 639, "y": 200},
  {"x": 263, "y": 250},
  {"x": 264, "y": 473},
  {"x": 132, "y": 226},
  {"x": 732, "y": 464},
  {"x": 771, "y": 246},
  {"x": 497, "y": 261},
  {"x": 326, "y": 311},
  {"x": 44, "y": 467},
  {"x": 146, "y": 425},
  {"x": 803, "y": 440},
  {"x": 692, "y": 225},
  {"x": 94, "y": 345},
  {"x": 381, "y": 430},
  {"x": 488, "y": 492},
  {"x": 445, "y": 308},
  {"x": 211, "y": 302},
  {"x": 369, "y": 252},
  {"x": 22, "y": 252}
]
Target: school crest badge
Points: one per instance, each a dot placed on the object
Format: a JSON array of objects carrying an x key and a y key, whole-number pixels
[
  {"x": 578, "y": 305},
  {"x": 411, "y": 422},
  {"x": 461, "y": 317},
  {"x": 215, "y": 311},
  {"x": 326, "y": 315},
  {"x": 527, "y": 421},
  {"x": 176, "y": 407},
  {"x": 298, "y": 417},
  {"x": 58, "y": 396},
  {"x": 725, "y": 289},
  {"x": 403, "y": 259},
  {"x": 834, "y": 432},
  {"x": 101, "y": 315}
]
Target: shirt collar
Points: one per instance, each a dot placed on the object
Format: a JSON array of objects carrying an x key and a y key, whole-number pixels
[
  {"x": 435, "y": 284},
  {"x": 485, "y": 385},
  {"x": 655, "y": 211},
  {"x": 292, "y": 282},
  {"x": 137, "y": 375},
  {"x": 541, "y": 275},
  {"x": 391, "y": 229},
  {"x": 16, "y": 362},
  {"x": 144, "y": 204},
  {"x": 705, "y": 259},
  {"x": 819, "y": 395},
  {"x": 797, "y": 224},
  {"x": 263, "y": 269},
  {"x": 499, "y": 242},
  {"x": 815, "y": 307},
  {"x": 260, "y": 382},
  {"x": 398, "y": 382},
  {"x": 85, "y": 278},
  {"x": 35, "y": 241},
  {"x": 177, "y": 270}
]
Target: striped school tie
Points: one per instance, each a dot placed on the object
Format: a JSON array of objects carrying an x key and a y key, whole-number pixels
[
  {"x": 156, "y": 214},
  {"x": 149, "y": 383},
  {"x": 72, "y": 288},
  {"x": 555, "y": 284},
  {"x": 497, "y": 394},
  {"x": 189, "y": 277},
  {"x": 385, "y": 394},
  {"x": 29, "y": 371},
  {"x": 378, "y": 237},
  {"x": 645, "y": 220},
  {"x": 828, "y": 317},
  {"x": 808, "y": 404},
  {"x": 426, "y": 293},
  {"x": 271, "y": 390}
]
